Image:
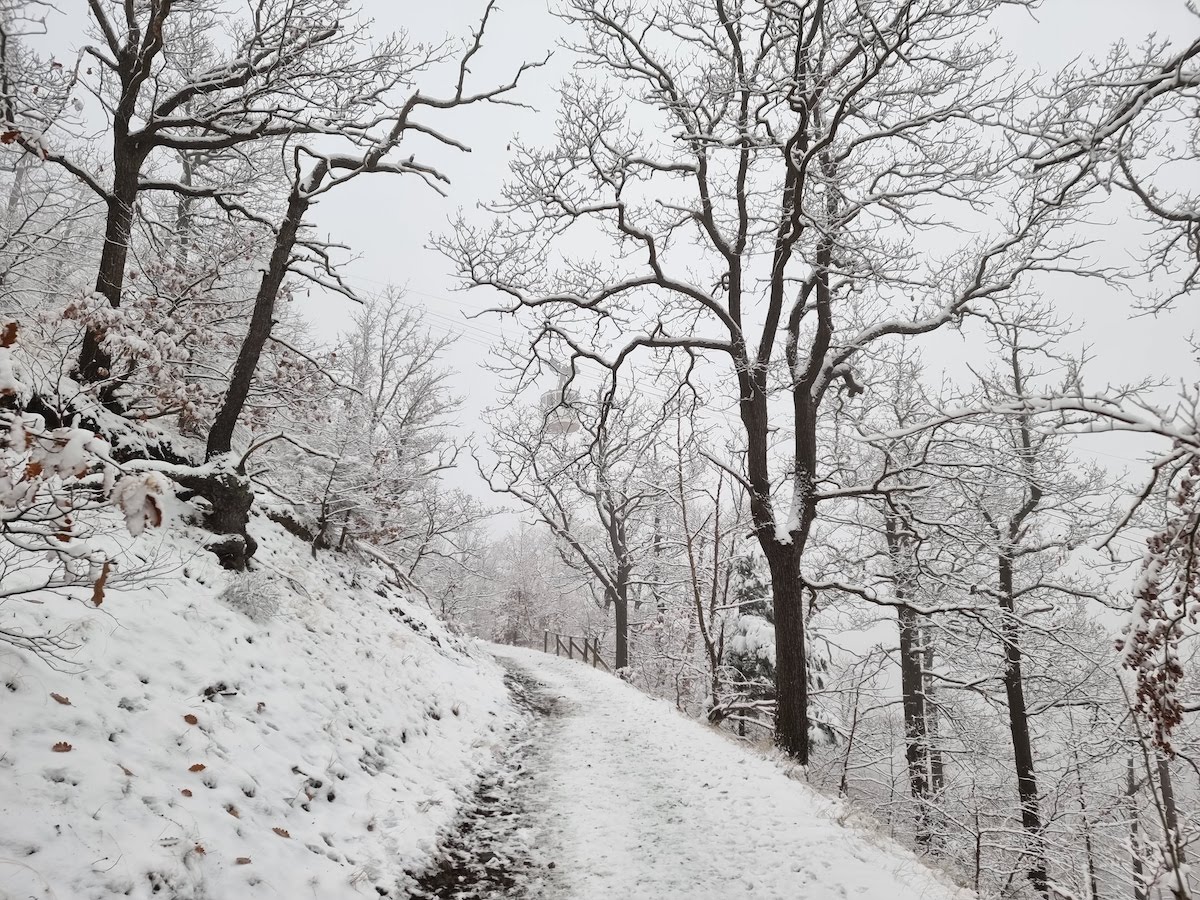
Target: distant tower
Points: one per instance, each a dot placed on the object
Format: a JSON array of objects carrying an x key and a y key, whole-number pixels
[{"x": 556, "y": 405}]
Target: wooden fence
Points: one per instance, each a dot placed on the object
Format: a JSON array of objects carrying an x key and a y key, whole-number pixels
[{"x": 570, "y": 645}]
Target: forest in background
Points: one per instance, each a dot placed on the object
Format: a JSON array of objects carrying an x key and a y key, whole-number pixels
[{"x": 741, "y": 475}]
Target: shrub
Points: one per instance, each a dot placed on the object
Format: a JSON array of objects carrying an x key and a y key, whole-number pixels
[{"x": 254, "y": 594}]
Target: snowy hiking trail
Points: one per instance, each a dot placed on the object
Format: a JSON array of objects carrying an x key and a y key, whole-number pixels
[{"x": 614, "y": 795}]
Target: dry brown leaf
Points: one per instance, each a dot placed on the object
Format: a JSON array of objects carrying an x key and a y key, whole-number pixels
[
  {"x": 62, "y": 747},
  {"x": 125, "y": 770},
  {"x": 186, "y": 792},
  {"x": 243, "y": 860},
  {"x": 197, "y": 767},
  {"x": 8, "y": 335},
  {"x": 98, "y": 588},
  {"x": 190, "y": 719},
  {"x": 59, "y": 698},
  {"x": 282, "y": 832},
  {"x": 154, "y": 514},
  {"x": 233, "y": 811}
]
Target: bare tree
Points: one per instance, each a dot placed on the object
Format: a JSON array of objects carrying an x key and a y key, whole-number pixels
[
  {"x": 771, "y": 177},
  {"x": 1130, "y": 123},
  {"x": 382, "y": 436},
  {"x": 593, "y": 489},
  {"x": 284, "y": 67},
  {"x": 375, "y": 135}
]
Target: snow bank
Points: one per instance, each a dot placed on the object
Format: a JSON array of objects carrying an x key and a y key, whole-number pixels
[{"x": 200, "y": 754}]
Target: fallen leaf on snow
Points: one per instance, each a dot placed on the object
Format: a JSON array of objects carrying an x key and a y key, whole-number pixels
[
  {"x": 59, "y": 698},
  {"x": 282, "y": 832},
  {"x": 190, "y": 719},
  {"x": 243, "y": 860},
  {"x": 197, "y": 767},
  {"x": 98, "y": 588},
  {"x": 186, "y": 792},
  {"x": 61, "y": 747}
]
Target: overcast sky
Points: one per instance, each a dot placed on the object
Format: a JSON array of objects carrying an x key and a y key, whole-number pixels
[
  {"x": 389, "y": 223},
  {"x": 389, "y": 220}
]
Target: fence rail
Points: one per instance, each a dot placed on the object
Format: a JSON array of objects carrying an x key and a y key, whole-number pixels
[{"x": 568, "y": 645}]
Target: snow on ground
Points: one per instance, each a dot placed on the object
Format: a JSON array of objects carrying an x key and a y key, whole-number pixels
[
  {"x": 328, "y": 748},
  {"x": 637, "y": 802},
  {"x": 320, "y": 753}
]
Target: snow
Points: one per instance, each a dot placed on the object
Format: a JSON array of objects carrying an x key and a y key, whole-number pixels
[
  {"x": 637, "y": 801},
  {"x": 308, "y": 731},
  {"x": 331, "y": 745},
  {"x": 754, "y": 638},
  {"x": 9, "y": 383}
]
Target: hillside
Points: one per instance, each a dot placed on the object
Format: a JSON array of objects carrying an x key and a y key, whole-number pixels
[
  {"x": 308, "y": 730},
  {"x": 188, "y": 750}
]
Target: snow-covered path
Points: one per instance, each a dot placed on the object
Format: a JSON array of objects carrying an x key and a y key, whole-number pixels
[{"x": 632, "y": 801}]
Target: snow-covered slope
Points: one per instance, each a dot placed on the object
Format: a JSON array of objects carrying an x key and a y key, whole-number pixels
[
  {"x": 633, "y": 800},
  {"x": 201, "y": 754}
]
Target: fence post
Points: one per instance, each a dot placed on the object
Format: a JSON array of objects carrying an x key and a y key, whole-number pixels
[
  {"x": 546, "y": 641},
  {"x": 570, "y": 647},
  {"x": 595, "y": 651}
]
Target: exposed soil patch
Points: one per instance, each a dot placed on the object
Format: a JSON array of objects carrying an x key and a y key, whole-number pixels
[{"x": 490, "y": 854}]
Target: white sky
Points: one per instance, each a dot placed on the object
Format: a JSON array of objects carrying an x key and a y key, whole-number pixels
[
  {"x": 389, "y": 220},
  {"x": 390, "y": 223}
]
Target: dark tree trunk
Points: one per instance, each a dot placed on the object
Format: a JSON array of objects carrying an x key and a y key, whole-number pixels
[
  {"x": 783, "y": 559},
  {"x": 220, "y": 438},
  {"x": 916, "y": 732},
  {"x": 791, "y": 658},
  {"x": 95, "y": 364},
  {"x": 937, "y": 769},
  {"x": 621, "y": 616},
  {"x": 1018, "y": 721},
  {"x": 913, "y": 681},
  {"x": 229, "y": 499}
]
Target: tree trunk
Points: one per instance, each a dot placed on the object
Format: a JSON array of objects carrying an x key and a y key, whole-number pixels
[
  {"x": 229, "y": 499},
  {"x": 937, "y": 768},
  {"x": 1177, "y": 856},
  {"x": 95, "y": 364},
  {"x": 791, "y": 659},
  {"x": 783, "y": 559},
  {"x": 1018, "y": 721},
  {"x": 220, "y": 438},
  {"x": 1089, "y": 847},
  {"x": 1135, "y": 845},
  {"x": 916, "y": 737},
  {"x": 621, "y": 614},
  {"x": 913, "y": 680}
]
